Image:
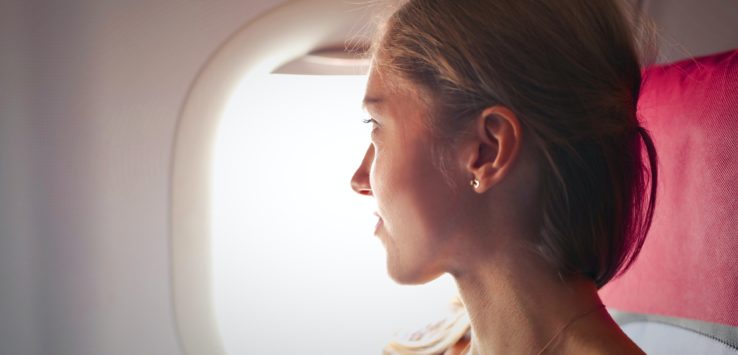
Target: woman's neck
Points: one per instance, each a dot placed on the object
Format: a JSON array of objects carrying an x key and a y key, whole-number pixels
[{"x": 518, "y": 306}]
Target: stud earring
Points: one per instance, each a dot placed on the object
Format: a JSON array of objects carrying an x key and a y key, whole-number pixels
[{"x": 474, "y": 183}]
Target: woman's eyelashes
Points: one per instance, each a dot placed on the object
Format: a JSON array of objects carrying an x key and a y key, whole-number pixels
[{"x": 371, "y": 120}]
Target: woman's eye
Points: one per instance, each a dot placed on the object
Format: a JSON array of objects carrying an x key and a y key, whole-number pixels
[{"x": 373, "y": 121}]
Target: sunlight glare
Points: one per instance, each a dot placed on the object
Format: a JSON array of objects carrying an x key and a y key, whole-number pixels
[{"x": 296, "y": 268}]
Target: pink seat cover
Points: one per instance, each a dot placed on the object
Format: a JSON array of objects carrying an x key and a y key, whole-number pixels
[{"x": 688, "y": 266}]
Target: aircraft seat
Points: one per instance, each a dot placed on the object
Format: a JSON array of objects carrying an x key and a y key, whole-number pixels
[{"x": 681, "y": 295}]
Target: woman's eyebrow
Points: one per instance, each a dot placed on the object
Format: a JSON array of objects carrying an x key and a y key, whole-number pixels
[{"x": 370, "y": 100}]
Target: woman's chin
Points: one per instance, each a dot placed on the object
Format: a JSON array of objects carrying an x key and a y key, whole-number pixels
[{"x": 404, "y": 275}]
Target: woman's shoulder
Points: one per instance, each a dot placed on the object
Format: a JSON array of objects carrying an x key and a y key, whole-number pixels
[
  {"x": 448, "y": 335},
  {"x": 600, "y": 336}
]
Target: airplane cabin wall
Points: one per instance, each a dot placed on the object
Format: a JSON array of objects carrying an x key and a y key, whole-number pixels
[
  {"x": 692, "y": 28},
  {"x": 90, "y": 92}
]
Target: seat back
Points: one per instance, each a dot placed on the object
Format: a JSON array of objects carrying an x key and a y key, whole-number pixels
[{"x": 687, "y": 273}]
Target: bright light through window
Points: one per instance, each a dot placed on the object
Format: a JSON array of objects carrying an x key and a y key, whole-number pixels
[{"x": 296, "y": 267}]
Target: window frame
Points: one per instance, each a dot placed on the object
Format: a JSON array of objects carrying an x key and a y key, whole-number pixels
[{"x": 288, "y": 31}]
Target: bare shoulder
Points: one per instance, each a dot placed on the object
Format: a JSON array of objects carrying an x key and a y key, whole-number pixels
[
  {"x": 609, "y": 347},
  {"x": 600, "y": 335}
]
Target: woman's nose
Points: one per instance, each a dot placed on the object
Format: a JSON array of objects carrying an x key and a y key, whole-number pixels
[{"x": 360, "y": 180}]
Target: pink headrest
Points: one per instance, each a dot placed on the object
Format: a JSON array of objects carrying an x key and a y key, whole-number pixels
[{"x": 688, "y": 266}]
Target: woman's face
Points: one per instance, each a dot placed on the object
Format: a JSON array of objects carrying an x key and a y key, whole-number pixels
[{"x": 417, "y": 209}]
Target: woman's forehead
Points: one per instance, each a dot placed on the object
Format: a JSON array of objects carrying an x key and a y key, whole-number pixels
[
  {"x": 385, "y": 89},
  {"x": 377, "y": 93}
]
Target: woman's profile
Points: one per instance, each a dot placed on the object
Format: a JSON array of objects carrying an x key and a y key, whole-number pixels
[{"x": 506, "y": 152}]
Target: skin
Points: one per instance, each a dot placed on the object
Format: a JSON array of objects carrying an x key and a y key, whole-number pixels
[{"x": 516, "y": 301}]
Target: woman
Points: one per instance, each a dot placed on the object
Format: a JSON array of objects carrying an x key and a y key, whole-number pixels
[{"x": 506, "y": 152}]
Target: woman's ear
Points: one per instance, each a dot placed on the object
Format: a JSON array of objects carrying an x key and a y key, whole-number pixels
[{"x": 494, "y": 145}]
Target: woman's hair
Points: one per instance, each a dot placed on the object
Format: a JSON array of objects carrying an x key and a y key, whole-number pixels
[{"x": 570, "y": 71}]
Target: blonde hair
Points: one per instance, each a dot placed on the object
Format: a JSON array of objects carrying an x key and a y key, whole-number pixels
[{"x": 570, "y": 71}]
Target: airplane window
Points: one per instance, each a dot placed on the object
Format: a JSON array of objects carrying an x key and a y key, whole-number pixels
[{"x": 296, "y": 268}]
